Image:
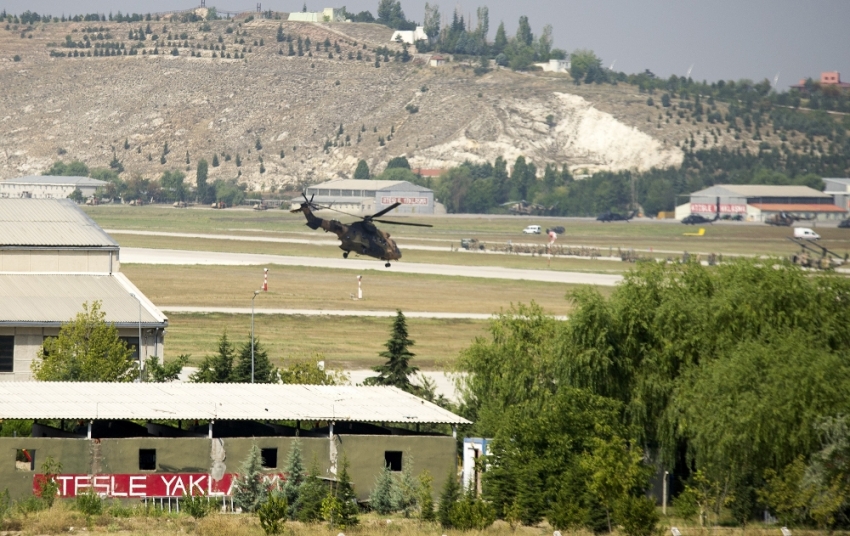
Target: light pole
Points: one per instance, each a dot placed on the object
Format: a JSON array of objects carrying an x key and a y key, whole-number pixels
[
  {"x": 139, "y": 344},
  {"x": 252, "y": 334}
]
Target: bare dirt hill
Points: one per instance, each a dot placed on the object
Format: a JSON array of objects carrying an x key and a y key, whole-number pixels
[{"x": 86, "y": 107}]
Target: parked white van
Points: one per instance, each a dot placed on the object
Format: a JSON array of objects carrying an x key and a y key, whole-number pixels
[
  {"x": 532, "y": 229},
  {"x": 805, "y": 233}
]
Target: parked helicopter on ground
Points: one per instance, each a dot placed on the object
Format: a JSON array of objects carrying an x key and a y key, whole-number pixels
[
  {"x": 524, "y": 208},
  {"x": 361, "y": 237},
  {"x": 697, "y": 219},
  {"x": 613, "y": 216},
  {"x": 784, "y": 219}
]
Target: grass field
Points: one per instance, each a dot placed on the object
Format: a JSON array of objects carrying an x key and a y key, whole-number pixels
[
  {"x": 723, "y": 237},
  {"x": 318, "y": 288},
  {"x": 342, "y": 342},
  {"x": 346, "y": 342}
]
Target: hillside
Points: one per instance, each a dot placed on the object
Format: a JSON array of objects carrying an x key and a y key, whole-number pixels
[{"x": 86, "y": 107}]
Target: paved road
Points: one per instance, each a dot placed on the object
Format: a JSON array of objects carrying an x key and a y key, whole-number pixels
[{"x": 180, "y": 257}]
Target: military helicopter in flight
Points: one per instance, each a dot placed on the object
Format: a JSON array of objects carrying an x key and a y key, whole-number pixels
[{"x": 361, "y": 237}]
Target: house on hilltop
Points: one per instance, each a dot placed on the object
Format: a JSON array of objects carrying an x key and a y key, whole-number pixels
[
  {"x": 410, "y": 36},
  {"x": 329, "y": 14},
  {"x": 827, "y": 78}
]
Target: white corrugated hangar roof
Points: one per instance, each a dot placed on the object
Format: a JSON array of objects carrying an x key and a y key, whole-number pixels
[
  {"x": 50, "y": 223},
  {"x": 216, "y": 401},
  {"x": 371, "y": 185},
  {"x": 43, "y": 300}
]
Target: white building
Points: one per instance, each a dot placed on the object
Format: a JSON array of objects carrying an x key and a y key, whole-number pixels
[
  {"x": 54, "y": 258},
  {"x": 329, "y": 14},
  {"x": 409, "y": 36},
  {"x": 49, "y": 187},
  {"x": 839, "y": 189},
  {"x": 756, "y": 202},
  {"x": 370, "y": 196},
  {"x": 555, "y": 66}
]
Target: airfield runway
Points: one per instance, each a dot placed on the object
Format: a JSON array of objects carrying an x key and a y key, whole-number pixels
[{"x": 182, "y": 257}]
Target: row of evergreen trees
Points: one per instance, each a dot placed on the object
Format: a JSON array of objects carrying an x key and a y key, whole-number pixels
[{"x": 304, "y": 496}]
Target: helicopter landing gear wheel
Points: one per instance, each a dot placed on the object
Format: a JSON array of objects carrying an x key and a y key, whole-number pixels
[
  {"x": 344, "y": 254},
  {"x": 387, "y": 265}
]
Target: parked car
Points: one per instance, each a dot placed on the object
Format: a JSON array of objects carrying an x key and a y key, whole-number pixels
[{"x": 532, "y": 229}]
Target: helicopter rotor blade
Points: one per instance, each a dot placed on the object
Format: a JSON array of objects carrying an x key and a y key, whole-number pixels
[
  {"x": 381, "y": 213},
  {"x": 404, "y": 223}
]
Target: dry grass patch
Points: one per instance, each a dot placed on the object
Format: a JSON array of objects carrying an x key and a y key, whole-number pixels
[{"x": 343, "y": 342}]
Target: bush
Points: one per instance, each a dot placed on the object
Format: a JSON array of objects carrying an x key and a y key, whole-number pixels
[
  {"x": 472, "y": 513},
  {"x": 16, "y": 58},
  {"x": 89, "y": 503},
  {"x": 199, "y": 506},
  {"x": 638, "y": 516},
  {"x": 272, "y": 514}
]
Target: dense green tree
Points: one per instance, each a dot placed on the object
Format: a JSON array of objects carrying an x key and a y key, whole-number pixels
[
  {"x": 216, "y": 368},
  {"x": 172, "y": 186},
  {"x": 156, "y": 372},
  {"x": 344, "y": 493},
  {"x": 309, "y": 506},
  {"x": 74, "y": 169},
  {"x": 201, "y": 175},
  {"x": 87, "y": 349},
  {"x": 264, "y": 372},
  {"x": 523, "y": 32},
  {"x": 397, "y": 369},
  {"x": 500, "y": 42},
  {"x": 249, "y": 490},
  {"x": 362, "y": 171},
  {"x": 381, "y": 497},
  {"x": 448, "y": 497},
  {"x": 311, "y": 373},
  {"x": 398, "y": 162},
  {"x": 294, "y": 472}
]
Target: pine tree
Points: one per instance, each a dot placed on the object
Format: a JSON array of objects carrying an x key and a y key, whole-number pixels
[
  {"x": 501, "y": 40},
  {"x": 294, "y": 477},
  {"x": 313, "y": 491},
  {"x": 216, "y": 368},
  {"x": 362, "y": 171},
  {"x": 426, "y": 501},
  {"x": 249, "y": 491},
  {"x": 348, "y": 499},
  {"x": 406, "y": 493},
  {"x": 448, "y": 497},
  {"x": 215, "y": 162},
  {"x": 397, "y": 369},
  {"x": 264, "y": 372},
  {"x": 381, "y": 498}
]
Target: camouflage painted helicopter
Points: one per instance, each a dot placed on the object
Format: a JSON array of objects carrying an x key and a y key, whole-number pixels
[
  {"x": 524, "y": 208},
  {"x": 361, "y": 237}
]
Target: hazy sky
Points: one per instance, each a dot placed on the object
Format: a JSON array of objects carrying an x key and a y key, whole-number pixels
[{"x": 728, "y": 39}]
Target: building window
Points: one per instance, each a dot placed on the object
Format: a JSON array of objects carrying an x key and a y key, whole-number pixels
[
  {"x": 25, "y": 460},
  {"x": 7, "y": 353},
  {"x": 392, "y": 459},
  {"x": 269, "y": 457},
  {"x": 133, "y": 344},
  {"x": 147, "y": 459}
]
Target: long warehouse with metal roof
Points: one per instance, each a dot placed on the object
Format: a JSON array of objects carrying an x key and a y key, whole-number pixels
[{"x": 128, "y": 438}]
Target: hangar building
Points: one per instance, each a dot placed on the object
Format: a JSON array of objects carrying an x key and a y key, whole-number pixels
[
  {"x": 839, "y": 189},
  {"x": 49, "y": 187},
  {"x": 196, "y": 436},
  {"x": 757, "y": 202},
  {"x": 54, "y": 258},
  {"x": 370, "y": 196}
]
